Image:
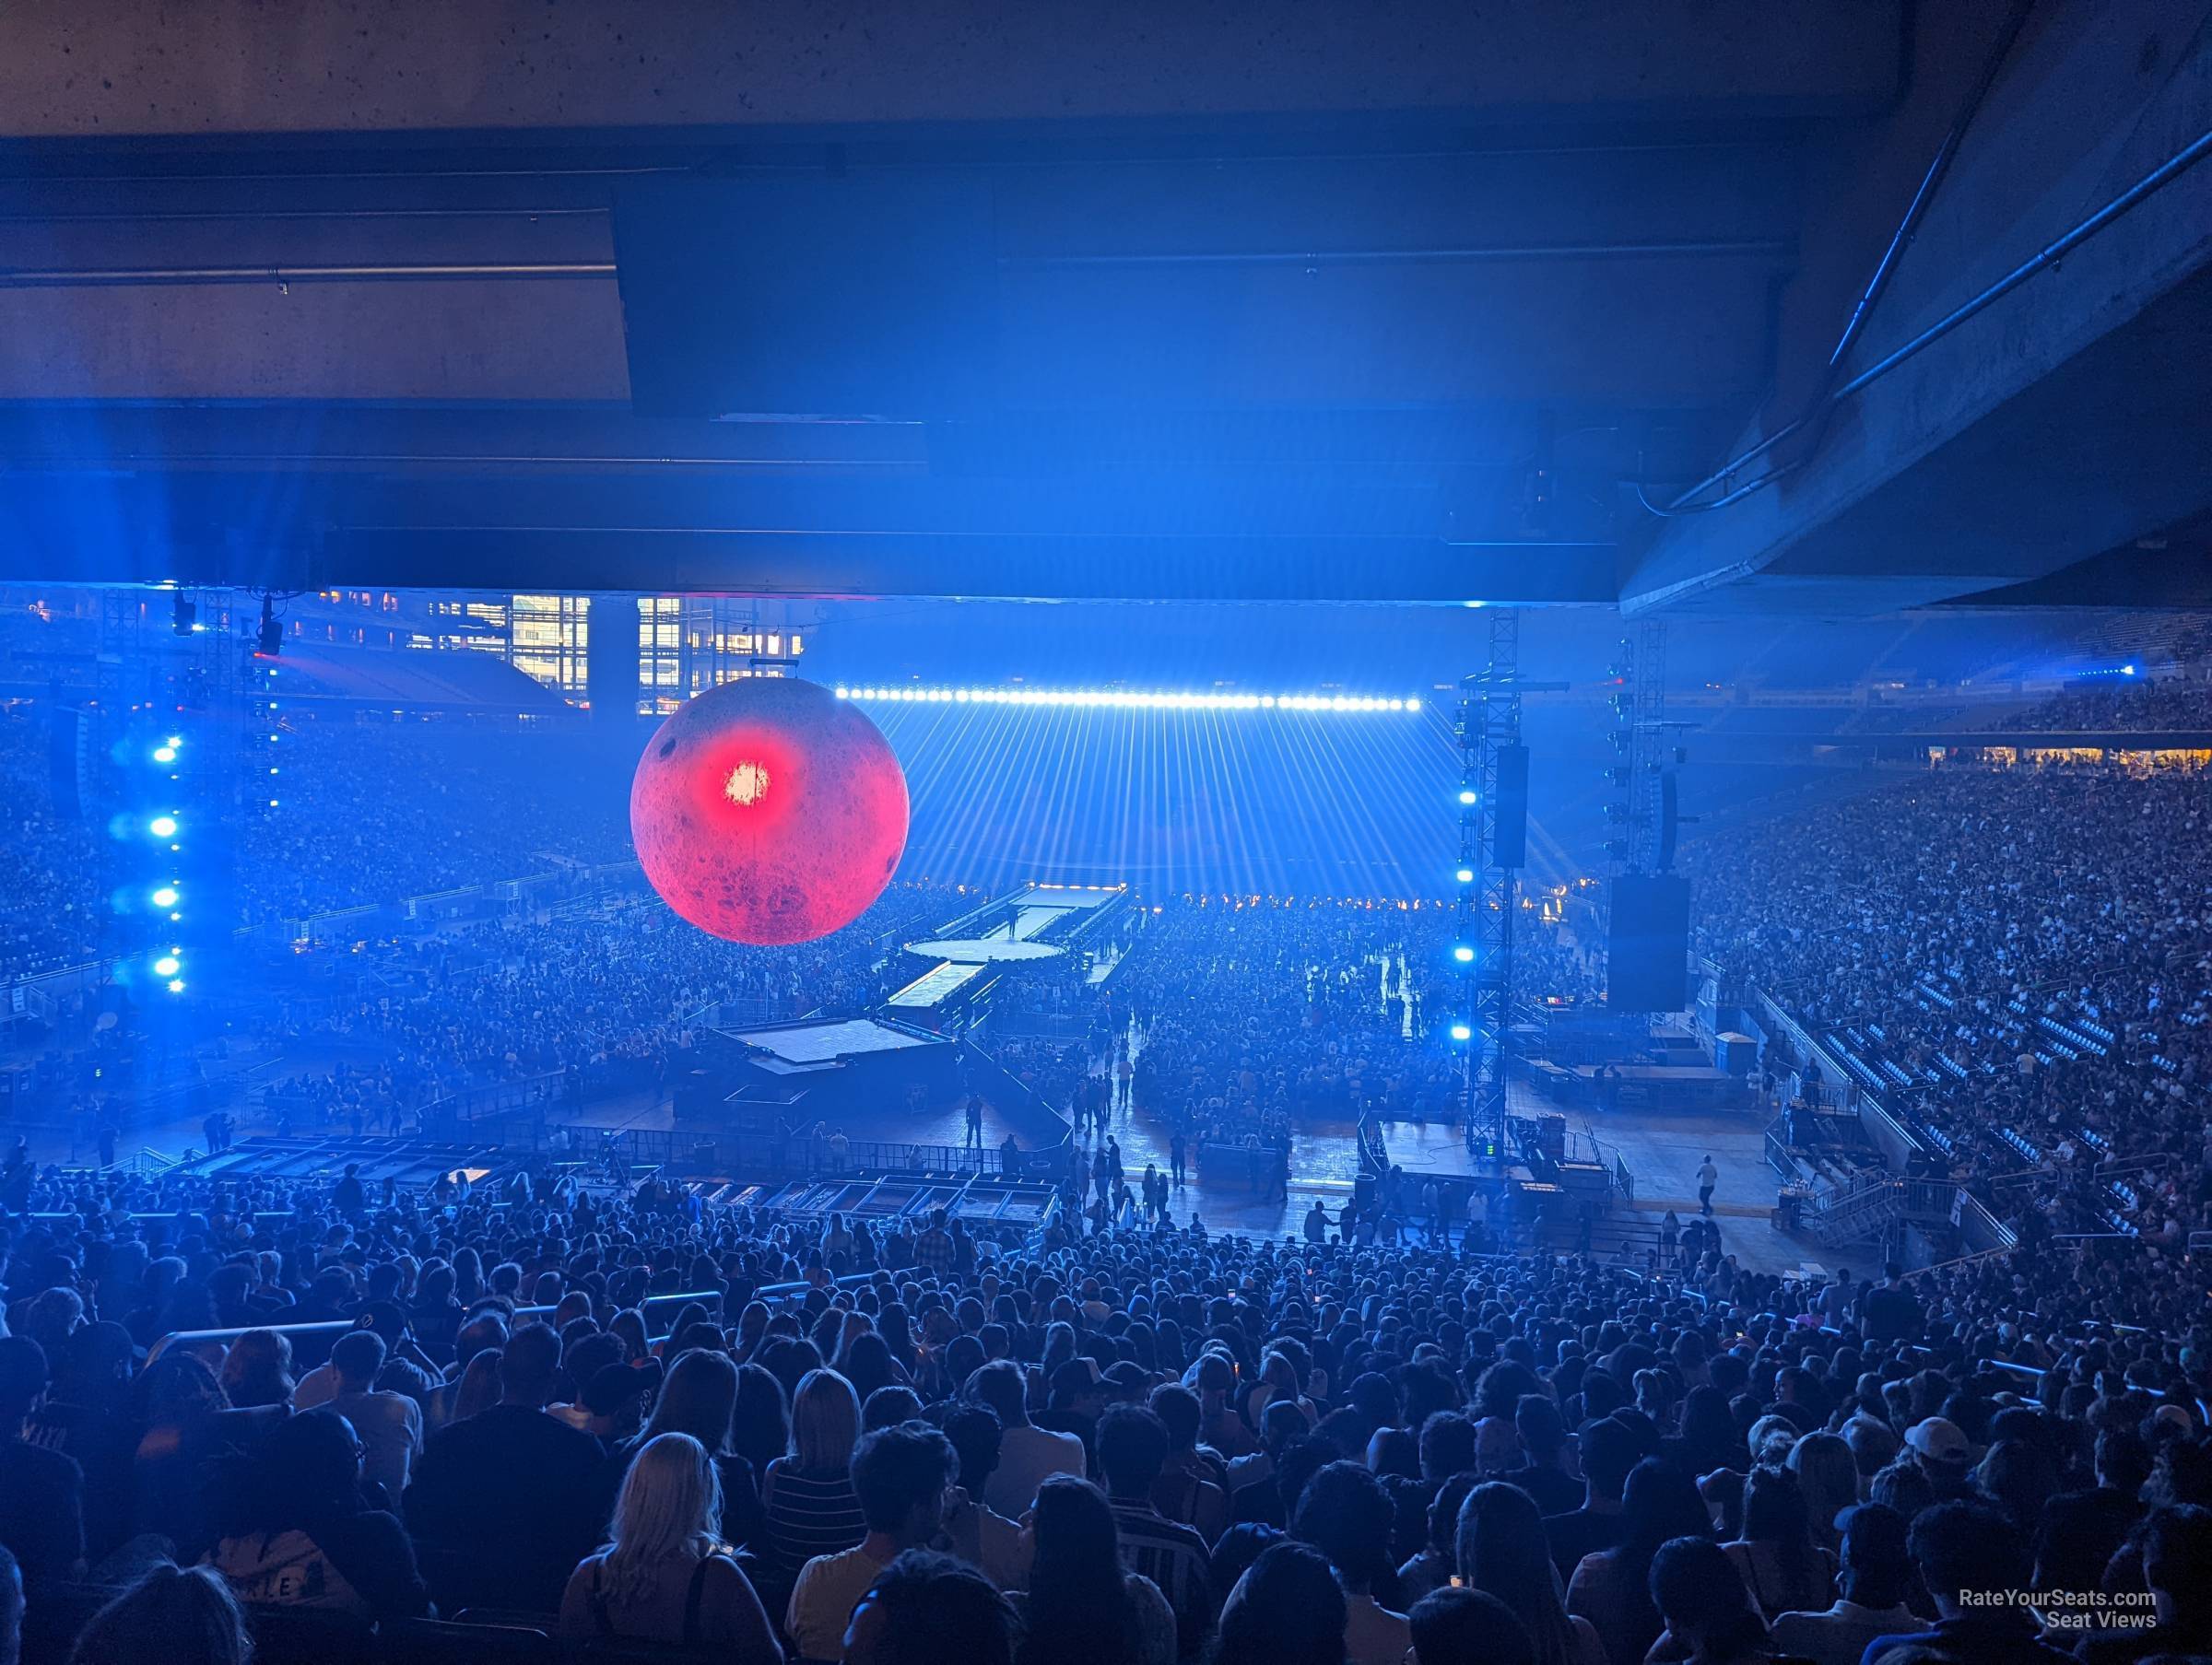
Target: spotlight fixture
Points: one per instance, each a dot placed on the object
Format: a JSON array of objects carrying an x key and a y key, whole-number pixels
[
  {"x": 1466, "y": 794},
  {"x": 1466, "y": 875},
  {"x": 166, "y": 896},
  {"x": 168, "y": 964},
  {"x": 1464, "y": 954},
  {"x": 1462, "y": 1032},
  {"x": 162, "y": 827},
  {"x": 271, "y": 637}
]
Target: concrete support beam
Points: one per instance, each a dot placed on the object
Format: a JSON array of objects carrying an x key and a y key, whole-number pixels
[
  {"x": 105, "y": 69},
  {"x": 2065, "y": 419}
]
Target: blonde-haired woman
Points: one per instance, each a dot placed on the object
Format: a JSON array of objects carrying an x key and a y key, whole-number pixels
[
  {"x": 808, "y": 1494},
  {"x": 665, "y": 1575}
]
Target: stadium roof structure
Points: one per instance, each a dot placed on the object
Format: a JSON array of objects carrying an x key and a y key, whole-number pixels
[{"x": 1771, "y": 306}]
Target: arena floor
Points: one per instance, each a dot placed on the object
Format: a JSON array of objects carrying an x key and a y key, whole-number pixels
[{"x": 1662, "y": 1150}]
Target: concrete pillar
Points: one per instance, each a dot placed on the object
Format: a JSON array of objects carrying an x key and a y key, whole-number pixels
[{"x": 610, "y": 665}]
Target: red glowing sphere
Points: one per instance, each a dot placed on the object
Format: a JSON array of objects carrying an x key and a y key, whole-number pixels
[{"x": 769, "y": 811}]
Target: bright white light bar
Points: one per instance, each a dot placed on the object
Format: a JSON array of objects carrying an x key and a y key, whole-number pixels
[{"x": 1129, "y": 700}]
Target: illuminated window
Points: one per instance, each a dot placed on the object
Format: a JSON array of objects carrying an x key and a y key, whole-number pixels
[{"x": 549, "y": 639}]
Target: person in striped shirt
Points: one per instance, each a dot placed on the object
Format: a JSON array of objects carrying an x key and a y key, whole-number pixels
[
  {"x": 1132, "y": 1449},
  {"x": 807, "y": 1498}
]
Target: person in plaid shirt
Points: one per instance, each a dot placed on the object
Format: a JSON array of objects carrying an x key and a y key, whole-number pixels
[{"x": 933, "y": 1249}]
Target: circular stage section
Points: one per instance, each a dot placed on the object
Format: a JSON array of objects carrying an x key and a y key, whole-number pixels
[{"x": 983, "y": 951}]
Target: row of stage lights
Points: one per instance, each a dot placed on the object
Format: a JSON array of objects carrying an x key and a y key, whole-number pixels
[
  {"x": 1118, "y": 700},
  {"x": 166, "y": 896}
]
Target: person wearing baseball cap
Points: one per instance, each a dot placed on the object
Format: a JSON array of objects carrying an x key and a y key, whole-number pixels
[
  {"x": 1876, "y": 1575},
  {"x": 613, "y": 1391},
  {"x": 1940, "y": 1447}
]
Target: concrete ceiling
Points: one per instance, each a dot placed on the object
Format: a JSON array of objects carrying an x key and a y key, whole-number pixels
[{"x": 1395, "y": 304}]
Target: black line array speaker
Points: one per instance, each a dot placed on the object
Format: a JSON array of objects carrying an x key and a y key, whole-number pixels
[
  {"x": 1511, "y": 807},
  {"x": 69, "y": 763},
  {"x": 811, "y": 296},
  {"x": 1647, "y": 945}
]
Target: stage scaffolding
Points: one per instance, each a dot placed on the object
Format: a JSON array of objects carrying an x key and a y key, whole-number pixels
[{"x": 1488, "y": 723}]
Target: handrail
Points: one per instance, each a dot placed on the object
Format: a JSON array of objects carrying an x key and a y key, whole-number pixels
[
  {"x": 341, "y": 1326},
  {"x": 506, "y": 1097},
  {"x": 772, "y": 1295},
  {"x": 1973, "y": 1218}
]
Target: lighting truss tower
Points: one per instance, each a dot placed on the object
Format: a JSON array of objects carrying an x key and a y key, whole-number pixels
[
  {"x": 1489, "y": 721},
  {"x": 262, "y": 754},
  {"x": 1648, "y": 750},
  {"x": 1641, "y": 743}
]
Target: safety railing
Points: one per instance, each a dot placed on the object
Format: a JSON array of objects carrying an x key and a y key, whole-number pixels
[
  {"x": 1982, "y": 1231},
  {"x": 1889, "y": 1136},
  {"x": 319, "y": 1335},
  {"x": 493, "y": 1100},
  {"x": 1778, "y": 1153},
  {"x": 924, "y": 1159}
]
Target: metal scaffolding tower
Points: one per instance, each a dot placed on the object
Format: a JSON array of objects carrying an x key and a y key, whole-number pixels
[
  {"x": 1643, "y": 742},
  {"x": 1488, "y": 723}
]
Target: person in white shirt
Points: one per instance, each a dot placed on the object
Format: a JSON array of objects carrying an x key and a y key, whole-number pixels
[
  {"x": 900, "y": 1474},
  {"x": 1026, "y": 1454},
  {"x": 975, "y": 1531},
  {"x": 1877, "y": 1575},
  {"x": 389, "y": 1425}
]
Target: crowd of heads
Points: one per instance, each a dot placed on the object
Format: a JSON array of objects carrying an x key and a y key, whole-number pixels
[
  {"x": 52, "y": 906},
  {"x": 2022, "y": 959},
  {"x": 642, "y": 1420},
  {"x": 1257, "y": 1012}
]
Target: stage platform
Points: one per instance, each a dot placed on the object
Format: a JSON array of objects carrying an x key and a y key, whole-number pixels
[
  {"x": 811, "y": 1048},
  {"x": 1037, "y": 921},
  {"x": 763, "y": 1093},
  {"x": 985, "y": 951}
]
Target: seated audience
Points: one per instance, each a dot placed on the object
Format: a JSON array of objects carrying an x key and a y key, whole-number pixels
[
  {"x": 504, "y": 1503},
  {"x": 665, "y": 1575},
  {"x": 297, "y": 1531},
  {"x": 180, "y": 1617},
  {"x": 1081, "y": 1606},
  {"x": 899, "y": 1474},
  {"x": 808, "y": 1503}
]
